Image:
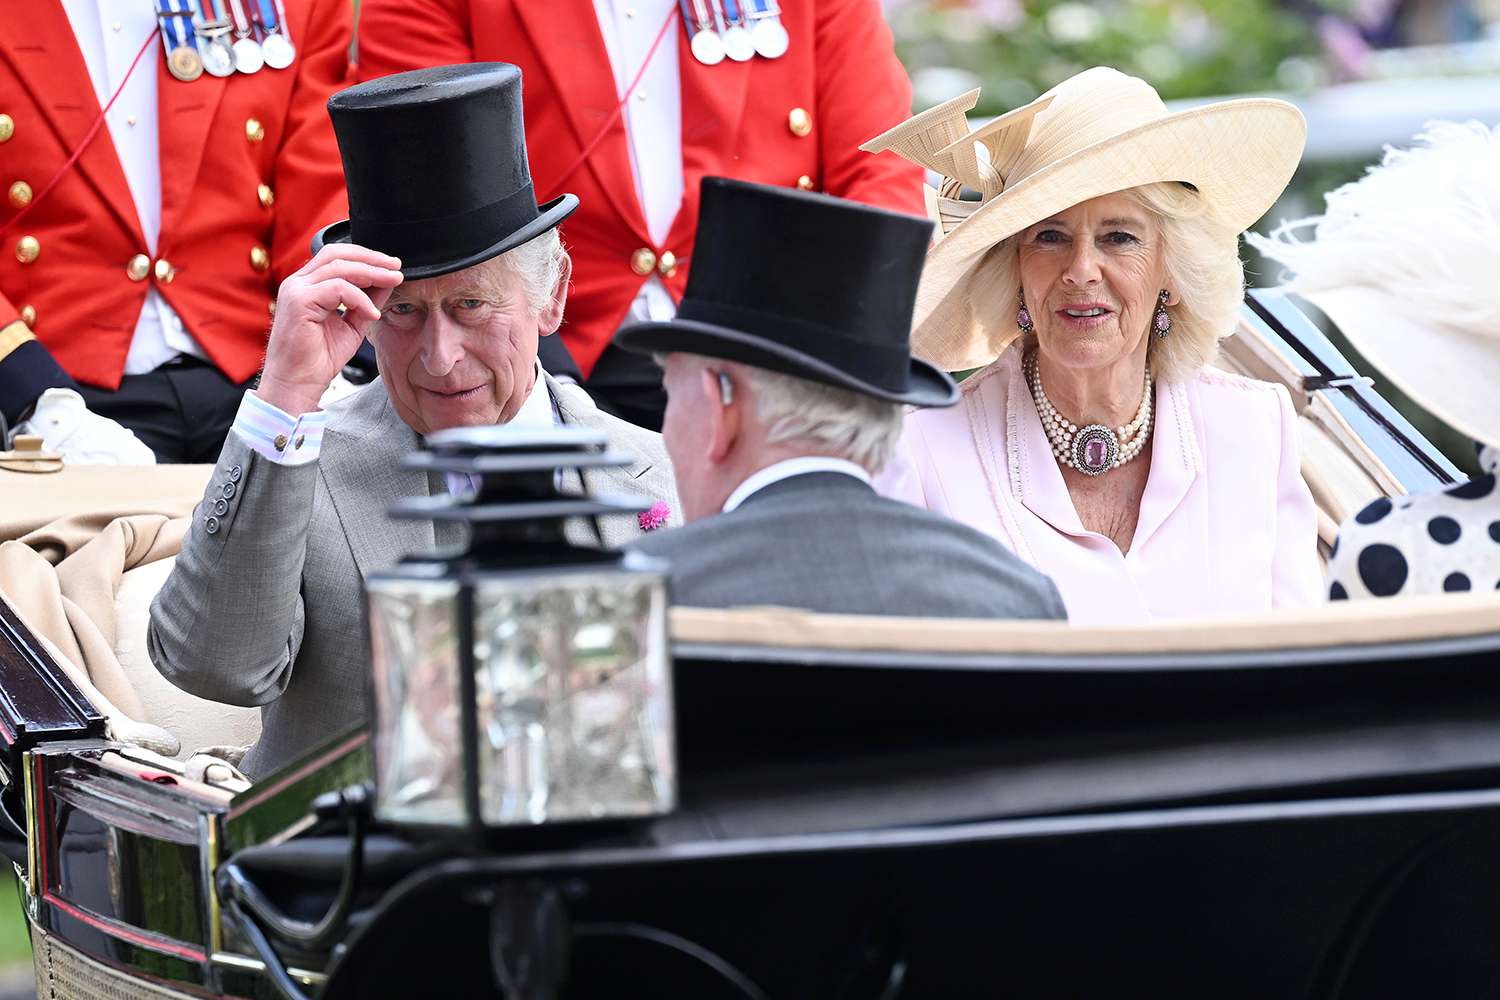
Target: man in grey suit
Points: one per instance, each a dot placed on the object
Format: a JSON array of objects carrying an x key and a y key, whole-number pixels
[
  {"x": 787, "y": 369},
  {"x": 265, "y": 605}
]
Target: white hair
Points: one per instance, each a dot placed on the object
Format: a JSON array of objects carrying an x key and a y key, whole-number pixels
[
  {"x": 1203, "y": 271},
  {"x": 836, "y": 421},
  {"x": 538, "y": 263}
]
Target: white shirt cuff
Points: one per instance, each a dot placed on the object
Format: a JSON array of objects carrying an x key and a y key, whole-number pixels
[{"x": 276, "y": 434}]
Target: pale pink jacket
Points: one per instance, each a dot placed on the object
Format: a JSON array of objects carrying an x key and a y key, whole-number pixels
[{"x": 1226, "y": 523}]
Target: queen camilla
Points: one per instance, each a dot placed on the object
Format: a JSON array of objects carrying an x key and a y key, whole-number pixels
[{"x": 1088, "y": 268}]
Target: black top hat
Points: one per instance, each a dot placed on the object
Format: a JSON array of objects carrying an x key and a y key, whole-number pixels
[
  {"x": 435, "y": 164},
  {"x": 807, "y": 285}
]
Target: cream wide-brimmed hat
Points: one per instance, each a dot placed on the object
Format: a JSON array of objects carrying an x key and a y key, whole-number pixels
[
  {"x": 1094, "y": 134},
  {"x": 1403, "y": 262}
]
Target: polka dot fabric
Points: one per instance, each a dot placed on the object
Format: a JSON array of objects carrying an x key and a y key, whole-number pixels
[{"x": 1435, "y": 543}]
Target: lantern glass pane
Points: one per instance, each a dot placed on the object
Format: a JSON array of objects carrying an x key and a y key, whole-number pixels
[
  {"x": 418, "y": 741},
  {"x": 574, "y": 697}
]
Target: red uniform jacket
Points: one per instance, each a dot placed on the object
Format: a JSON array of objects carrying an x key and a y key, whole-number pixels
[
  {"x": 221, "y": 139},
  {"x": 742, "y": 120}
]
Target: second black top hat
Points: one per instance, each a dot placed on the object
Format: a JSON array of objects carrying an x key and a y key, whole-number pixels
[
  {"x": 807, "y": 285},
  {"x": 436, "y": 170}
]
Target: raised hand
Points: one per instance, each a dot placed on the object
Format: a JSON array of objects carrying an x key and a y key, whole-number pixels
[{"x": 311, "y": 339}]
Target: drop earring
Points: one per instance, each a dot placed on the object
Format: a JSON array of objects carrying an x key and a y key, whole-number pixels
[
  {"x": 1162, "y": 321},
  {"x": 1023, "y": 316}
]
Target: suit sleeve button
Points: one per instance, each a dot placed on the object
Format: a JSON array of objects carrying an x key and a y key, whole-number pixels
[
  {"x": 235, "y": 472},
  {"x": 211, "y": 524},
  {"x": 228, "y": 491},
  {"x": 221, "y": 506}
]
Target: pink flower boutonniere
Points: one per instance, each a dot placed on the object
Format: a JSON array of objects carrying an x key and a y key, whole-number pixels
[{"x": 650, "y": 520}]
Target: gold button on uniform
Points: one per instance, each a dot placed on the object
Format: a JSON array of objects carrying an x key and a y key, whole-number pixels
[
  {"x": 799, "y": 121},
  {"x": 260, "y": 259},
  {"x": 643, "y": 261},
  {"x": 165, "y": 272},
  {"x": 20, "y": 194},
  {"x": 266, "y": 195},
  {"x": 138, "y": 268},
  {"x": 7, "y": 128},
  {"x": 804, "y": 183},
  {"x": 28, "y": 249},
  {"x": 254, "y": 130},
  {"x": 28, "y": 315},
  {"x": 667, "y": 263}
]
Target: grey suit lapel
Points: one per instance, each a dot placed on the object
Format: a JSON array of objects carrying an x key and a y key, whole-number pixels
[
  {"x": 363, "y": 445},
  {"x": 576, "y": 408}
]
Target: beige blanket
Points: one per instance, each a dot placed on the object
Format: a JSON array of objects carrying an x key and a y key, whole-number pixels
[{"x": 68, "y": 538}]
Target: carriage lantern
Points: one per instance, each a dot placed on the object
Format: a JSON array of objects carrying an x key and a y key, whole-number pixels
[{"x": 518, "y": 678}]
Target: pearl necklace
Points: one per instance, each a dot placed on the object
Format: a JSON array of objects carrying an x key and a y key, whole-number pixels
[{"x": 1095, "y": 448}]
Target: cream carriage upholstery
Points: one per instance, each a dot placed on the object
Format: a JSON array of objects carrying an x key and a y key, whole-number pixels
[
  {"x": 1342, "y": 473},
  {"x": 57, "y": 514}
]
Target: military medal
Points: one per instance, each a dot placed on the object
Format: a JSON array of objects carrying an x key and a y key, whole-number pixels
[
  {"x": 247, "y": 54},
  {"x": 767, "y": 31},
  {"x": 737, "y": 42},
  {"x": 176, "y": 20},
  {"x": 275, "y": 45},
  {"x": 185, "y": 63},
  {"x": 213, "y": 41},
  {"x": 703, "y": 34}
]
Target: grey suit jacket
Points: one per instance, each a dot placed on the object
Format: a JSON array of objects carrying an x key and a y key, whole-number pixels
[
  {"x": 267, "y": 608},
  {"x": 824, "y": 541}
]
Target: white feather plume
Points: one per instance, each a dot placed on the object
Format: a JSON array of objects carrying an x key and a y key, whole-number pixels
[{"x": 1422, "y": 227}]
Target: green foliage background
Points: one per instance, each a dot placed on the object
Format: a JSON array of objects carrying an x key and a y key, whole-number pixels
[{"x": 1016, "y": 49}]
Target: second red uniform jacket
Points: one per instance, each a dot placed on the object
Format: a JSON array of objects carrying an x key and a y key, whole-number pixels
[
  {"x": 249, "y": 171},
  {"x": 796, "y": 121}
]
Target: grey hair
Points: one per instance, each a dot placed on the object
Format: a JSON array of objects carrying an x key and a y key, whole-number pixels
[
  {"x": 1203, "y": 271},
  {"x": 843, "y": 423},
  {"x": 538, "y": 263}
]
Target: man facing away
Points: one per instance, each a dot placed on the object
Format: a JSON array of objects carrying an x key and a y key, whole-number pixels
[
  {"x": 454, "y": 281},
  {"x": 787, "y": 368}
]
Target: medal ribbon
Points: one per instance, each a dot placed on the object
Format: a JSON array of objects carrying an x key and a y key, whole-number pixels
[
  {"x": 609, "y": 123},
  {"x": 282, "y": 26},
  {"x": 88, "y": 137},
  {"x": 267, "y": 15},
  {"x": 175, "y": 18},
  {"x": 215, "y": 10},
  {"x": 762, "y": 8},
  {"x": 731, "y": 12},
  {"x": 695, "y": 16},
  {"x": 241, "y": 22}
]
